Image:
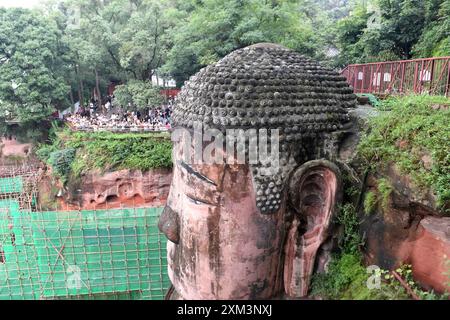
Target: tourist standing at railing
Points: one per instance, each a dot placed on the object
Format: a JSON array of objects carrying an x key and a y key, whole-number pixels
[
  {"x": 91, "y": 109},
  {"x": 107, "y": 107}
]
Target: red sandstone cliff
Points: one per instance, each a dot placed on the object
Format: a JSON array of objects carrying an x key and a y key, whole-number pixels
[
  {"x": 126, "y": 188},
  {"x": 409, "y": 230}
]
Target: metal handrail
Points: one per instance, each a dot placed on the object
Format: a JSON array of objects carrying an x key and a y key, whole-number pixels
[{"x": 427, "y": 75}]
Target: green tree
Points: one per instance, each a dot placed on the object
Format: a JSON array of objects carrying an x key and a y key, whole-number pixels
[
  {"x": 214, "y": 28},
  {"x": 435, "y": 40},
  {"x": 32, "y": 67},
  {"x": 113, "y": 41},
  {"x": 349, "y": 31},
  {"x": 402, "y": 24},
  {"x": 140, "y": 94},
  {"x": 394, "y": 29}
]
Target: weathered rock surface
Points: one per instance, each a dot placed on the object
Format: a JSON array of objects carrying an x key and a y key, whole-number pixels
[
  {"x": 267, "y": 86},
  {"x": 430, "y": 253},
  {"x": 409, "y": 230},
  {"x": 12, "y": 147},
  {"x": 119, "y": 188},
  {"x": 315, "y": 192},
  {"x": 408, "y": 193}
]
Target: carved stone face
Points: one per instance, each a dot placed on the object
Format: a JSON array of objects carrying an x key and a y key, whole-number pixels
[
  {"x": 237, "y": 234},
  {"x": 221, "y": 246}
]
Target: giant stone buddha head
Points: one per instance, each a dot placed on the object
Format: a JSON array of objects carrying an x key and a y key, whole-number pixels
[{"x": 253, "y": 225}]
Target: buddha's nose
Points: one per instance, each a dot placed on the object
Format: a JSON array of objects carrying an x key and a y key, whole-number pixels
[{"x": 169, "y": 224}]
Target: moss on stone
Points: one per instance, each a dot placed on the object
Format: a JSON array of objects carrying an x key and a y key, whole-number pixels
[
  {"x": 370, "y": 202},
  {"x": 109, "y": 151},
  {"x": 415, "y": 136}
]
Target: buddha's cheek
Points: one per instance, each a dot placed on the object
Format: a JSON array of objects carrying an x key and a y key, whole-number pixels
[
  {"x": 229, "y": 251},
  {"x": 250, "y": 246},
  {"x": 193, "y": 262}
]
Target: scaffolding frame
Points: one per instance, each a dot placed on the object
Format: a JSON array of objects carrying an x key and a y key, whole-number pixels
[{"x": 77, "y": 254}]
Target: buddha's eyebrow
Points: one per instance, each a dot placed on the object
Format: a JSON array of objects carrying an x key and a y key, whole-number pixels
[{"x": 191, "y": 171}]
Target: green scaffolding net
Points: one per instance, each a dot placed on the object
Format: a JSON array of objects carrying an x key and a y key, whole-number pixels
[
  {"x": 98, "y": 254},
  {"x": 10, "y": 185}
]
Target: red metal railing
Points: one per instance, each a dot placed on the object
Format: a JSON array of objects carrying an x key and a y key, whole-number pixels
[
  {"x": 170, "y": 93},
  {"x": 430, "y": 75}
]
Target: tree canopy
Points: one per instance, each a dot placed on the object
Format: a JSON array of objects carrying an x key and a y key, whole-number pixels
[
  {"x": 70, "y": 50},
  {"x": 33, "y": 62},
  {"x": 138, "y": 93},
  {"x": 394, "y": 29}
]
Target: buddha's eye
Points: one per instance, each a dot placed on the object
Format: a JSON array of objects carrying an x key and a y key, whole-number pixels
[
  {"x": 196, "y": 175},
  {"x": 198, "y": 188},
  {"x": 199, "y": 201}
]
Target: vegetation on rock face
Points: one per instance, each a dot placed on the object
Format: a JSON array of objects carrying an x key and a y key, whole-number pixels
[
  {"x": 77, "y": 153},
  {"x": 61, "y": 161},
  {"x": 415, "y": 136},
  {"x": 347, "y": 277},
  {"x": 347, "y": 218},
  {"x": 370, "y": 202},
  {"x": 384, "y": 189}
]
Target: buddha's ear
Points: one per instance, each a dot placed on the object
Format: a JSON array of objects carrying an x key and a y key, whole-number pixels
[
  {"x": 169, "y": 224},
  {"x": 315, "y": 177},
  {"x": 314, "y": 192}
]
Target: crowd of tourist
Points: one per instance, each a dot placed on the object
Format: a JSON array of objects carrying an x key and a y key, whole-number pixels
[{"x": 114, "y": 118}]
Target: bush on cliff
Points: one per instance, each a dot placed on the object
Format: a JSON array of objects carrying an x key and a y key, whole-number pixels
[
  {"x": 105, "y": 151},
  {"x": 415, "y": 135}
]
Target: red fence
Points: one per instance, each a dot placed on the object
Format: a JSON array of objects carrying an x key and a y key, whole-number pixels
[
  {"x": 430, "y": 75},
  {"x": 170, "y": 93}
]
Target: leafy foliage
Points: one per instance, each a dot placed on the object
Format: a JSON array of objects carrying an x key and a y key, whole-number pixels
[
  {"x": 347, "y": 217},
  {"x": 105, "y": 151},
  {"x": 405, "y": 272},
  {"x": 60, "y": 161},
  {"x": 61, "y": 53},
  {"x": 370, "y": 202},
  {"x": 380, "y": 196},
  {"x": 213, "y": 28},
  {"x": 385, "y": 189},
  {"x": 381, "y": 30},
  {"x": 415, "y": 126},
  {"x": 140, "y": 94},
  {"x": 347, "y": 279},
  {"x": 435, "y": 39},
  {"x": 32, "y": 66}
]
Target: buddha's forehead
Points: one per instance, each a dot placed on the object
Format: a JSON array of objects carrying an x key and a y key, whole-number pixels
[{"x": 267, "y": 86}]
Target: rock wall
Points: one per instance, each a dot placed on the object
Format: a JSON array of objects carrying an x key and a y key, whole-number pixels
[
  {"x": 408, "y": 230},
  {"x": 10, "y": 147},
  {"x": 118, "y": 188},
  {"x": 430, "y": 253}
]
